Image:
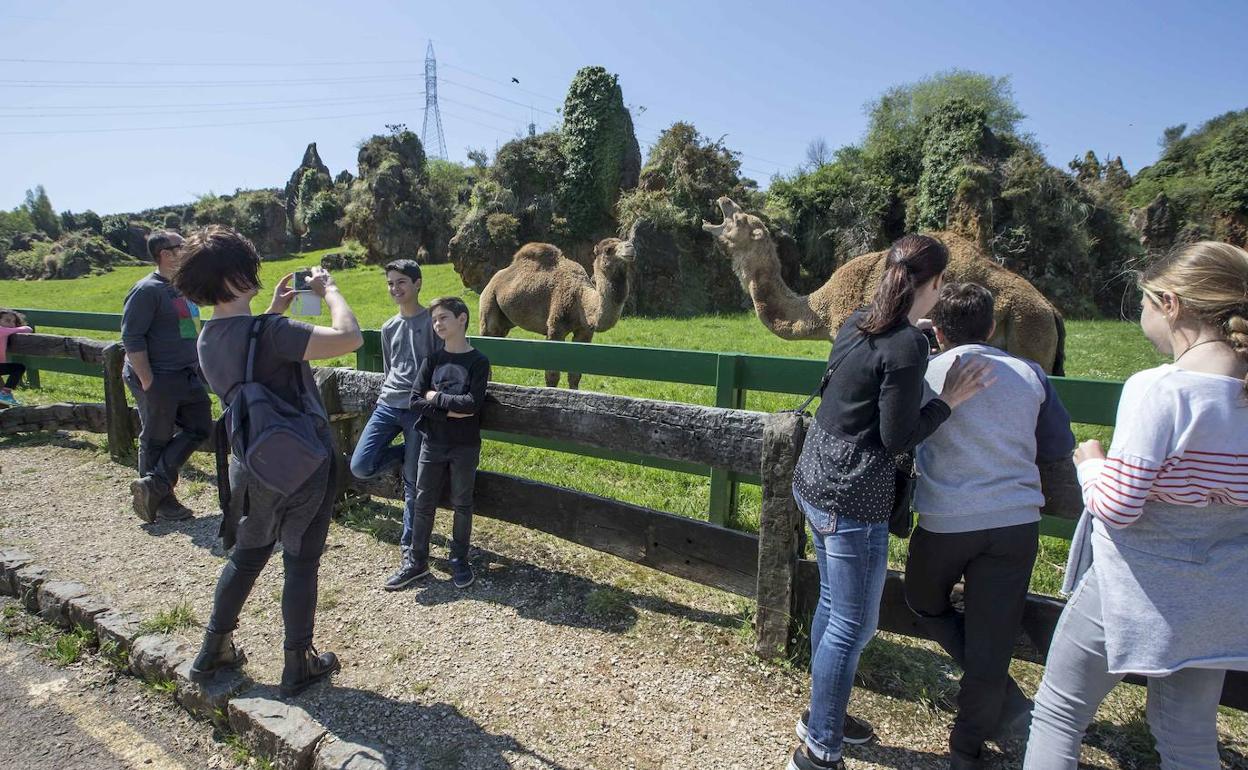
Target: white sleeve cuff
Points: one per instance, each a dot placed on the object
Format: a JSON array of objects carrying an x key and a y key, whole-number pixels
[{"x": 1089, "y": 470}]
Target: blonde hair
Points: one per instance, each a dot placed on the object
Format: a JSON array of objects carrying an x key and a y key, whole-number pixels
[{"x": 1211, "y": 281}]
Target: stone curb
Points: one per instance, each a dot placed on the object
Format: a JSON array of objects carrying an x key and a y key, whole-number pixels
[{"x": 277, "y": 729}]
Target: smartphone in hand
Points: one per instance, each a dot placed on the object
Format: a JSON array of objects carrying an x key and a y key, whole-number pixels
[{"x": 306, "y": 303}]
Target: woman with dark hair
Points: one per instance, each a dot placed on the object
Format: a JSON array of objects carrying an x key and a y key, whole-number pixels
[
  {"x": 221, "y": 268},
  {"x": 871, "y": 410}
]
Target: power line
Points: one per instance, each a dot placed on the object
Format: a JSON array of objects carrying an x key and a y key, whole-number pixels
[
  {"x": 167, "y": 105},
  {"x": 196, "y": 125},
  {"x": 200, "y": 83},
  {"x": 111, "y": 112},
  {"x": 115, "y": 63}
]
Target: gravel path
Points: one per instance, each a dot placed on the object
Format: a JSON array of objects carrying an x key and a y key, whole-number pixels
[{"x": 558, "y": 657}]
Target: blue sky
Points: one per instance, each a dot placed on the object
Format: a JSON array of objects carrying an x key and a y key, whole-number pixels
[{"x": 769, "y": 76}]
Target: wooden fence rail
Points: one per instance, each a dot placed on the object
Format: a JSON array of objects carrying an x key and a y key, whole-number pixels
[{"x": 768, "y": 566}]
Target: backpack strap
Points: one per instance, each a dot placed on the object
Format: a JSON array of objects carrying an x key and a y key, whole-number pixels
[{"x": 257, "y": 326}]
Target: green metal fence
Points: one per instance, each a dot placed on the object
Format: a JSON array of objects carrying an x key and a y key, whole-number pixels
[{"x": 732, "y": 375}]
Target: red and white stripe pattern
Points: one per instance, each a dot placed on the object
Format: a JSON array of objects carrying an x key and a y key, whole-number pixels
[{"x": 1116, "y": 495}]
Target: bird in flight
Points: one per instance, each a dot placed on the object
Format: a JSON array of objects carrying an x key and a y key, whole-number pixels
[{"x": 515, "y": 80}]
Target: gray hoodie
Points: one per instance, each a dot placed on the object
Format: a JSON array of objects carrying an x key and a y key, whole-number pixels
[{"x": 405, "y": 343}]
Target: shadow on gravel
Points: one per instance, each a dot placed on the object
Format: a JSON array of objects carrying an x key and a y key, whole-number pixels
[
  {"x": 47, "y": 438},
  {"x": 434, "y": 736},
  {"x": 537, "y": 593}
]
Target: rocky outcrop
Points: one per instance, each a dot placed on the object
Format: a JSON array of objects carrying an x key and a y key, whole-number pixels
[
  {"x": 1157, "y": 225},
  {"x": 678, "y": 272},
  {"x": 311, "y": 162}
]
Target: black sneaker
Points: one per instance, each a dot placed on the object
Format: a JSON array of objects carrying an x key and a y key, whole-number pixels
[
  {"x": 802, "y": 760},
  {"x": 461, "y": 573},
  {"x": 408, "y": 572},
  {"x": 172, "y": 509},
  {"x": 147, "y": 493},
  {"x": 855, "y": 731}
]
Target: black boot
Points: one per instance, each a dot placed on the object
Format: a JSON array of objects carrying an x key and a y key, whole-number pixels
[
  {"x": 305, "y": 668},
  {"x": 218, "y": 652}
]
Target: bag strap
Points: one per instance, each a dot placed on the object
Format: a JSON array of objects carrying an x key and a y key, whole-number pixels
[
  {"x": 827, "y": 375},
  {"x": 257, "y": 326}
]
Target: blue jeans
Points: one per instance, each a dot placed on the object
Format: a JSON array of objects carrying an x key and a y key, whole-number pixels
[
  {"x": 374, "y": 456},
  {"x": 1182, "y": 707},
  {"x": 853, "y": 562}
]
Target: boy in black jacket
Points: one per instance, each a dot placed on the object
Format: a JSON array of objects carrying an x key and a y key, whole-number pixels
[{"x": 448, "y": 395}]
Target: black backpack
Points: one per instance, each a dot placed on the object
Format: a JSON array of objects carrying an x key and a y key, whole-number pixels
[{"x": 276, "y": 441}]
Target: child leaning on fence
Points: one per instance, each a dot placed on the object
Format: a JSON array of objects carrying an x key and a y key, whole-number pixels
[
  {"x": 1166, "y": 524},
  {"x": 978, "y": 497},
  {"x": 11, "y": 322},
  {"x": 449, "y": 395}
]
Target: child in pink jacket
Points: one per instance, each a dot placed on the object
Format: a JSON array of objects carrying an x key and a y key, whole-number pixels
[{"x": 11, "y": 322}]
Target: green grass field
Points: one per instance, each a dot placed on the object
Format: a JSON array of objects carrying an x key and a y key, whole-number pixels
[{"x": 1097, "y": 349}]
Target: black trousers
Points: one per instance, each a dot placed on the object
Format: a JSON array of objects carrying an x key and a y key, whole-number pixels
[
  {"x": 435, "y": 462},
  {"x": 12, "y": 373},
  {"x": 299, "y": 589},
  {"x": 176, "y": 417},
  {"x": 996, "y": 567}
]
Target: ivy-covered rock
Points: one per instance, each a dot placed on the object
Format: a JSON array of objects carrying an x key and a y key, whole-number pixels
[{"x": 603, "y": 157}]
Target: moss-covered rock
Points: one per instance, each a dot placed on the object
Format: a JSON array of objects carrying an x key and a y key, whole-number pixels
[{"x": 389, "y": 208}]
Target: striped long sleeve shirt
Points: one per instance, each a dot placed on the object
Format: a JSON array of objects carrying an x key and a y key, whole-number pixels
[{"x": 1181, "y": 437}]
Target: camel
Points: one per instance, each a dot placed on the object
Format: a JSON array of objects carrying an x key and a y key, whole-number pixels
[
  {"x": 543, "y": 291},
  {"x": 1028, "y": 325}
]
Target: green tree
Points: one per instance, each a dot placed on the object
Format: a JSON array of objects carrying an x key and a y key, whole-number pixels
[
  {"x": 895, "y": 121},
  {"x": 691, "y": 171},
  {"x": 39, "y": 207},
  {"x": 1227, "y": 164},
  {"x": 601, "y": 151}
]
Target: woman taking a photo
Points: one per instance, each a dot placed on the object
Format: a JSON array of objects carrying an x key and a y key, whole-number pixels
[
  {"x": 872, "y": 410},
  {"x": 221, "y": 268},
  {"x": 1166, "y": 513}
]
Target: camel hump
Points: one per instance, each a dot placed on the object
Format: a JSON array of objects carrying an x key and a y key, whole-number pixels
[{"x": 544, "y": 254}]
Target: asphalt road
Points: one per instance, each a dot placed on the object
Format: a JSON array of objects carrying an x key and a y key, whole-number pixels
[{"x": 83, "y": 717}]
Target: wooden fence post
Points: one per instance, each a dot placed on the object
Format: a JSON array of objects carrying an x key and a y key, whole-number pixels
[
  {"x": 341, "y": 426},
  {"x": 121, "y": 436},
  {"x": 779, "y": 534}
]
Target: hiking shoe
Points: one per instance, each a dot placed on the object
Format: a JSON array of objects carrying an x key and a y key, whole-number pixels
[
  {"x": 802, "y": 760},
  {"x": 461, "y": 573},
  {"x": 172, "y": 509},
  {"x": 7, "y": 399},
  {"x": 147, "y": 492},
  {"x": 408, "y": 571},
  {"x": 305, "y": 668},
  {"x": 217, "y": 652},
  {"x": 855, "y": 731}
]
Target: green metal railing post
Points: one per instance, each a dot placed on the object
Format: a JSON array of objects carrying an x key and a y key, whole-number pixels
[{"x": 723, "y": 504}]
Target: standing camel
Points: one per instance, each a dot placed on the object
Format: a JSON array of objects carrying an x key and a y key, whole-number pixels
[
  {"x": 544, "y": 292},
  {"x": 1028, "y": 325}
]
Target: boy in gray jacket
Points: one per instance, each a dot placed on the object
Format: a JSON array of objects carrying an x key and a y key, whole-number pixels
[
  {"x": 978, "y": 498},
  {"x": 407, "y": 339}
]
